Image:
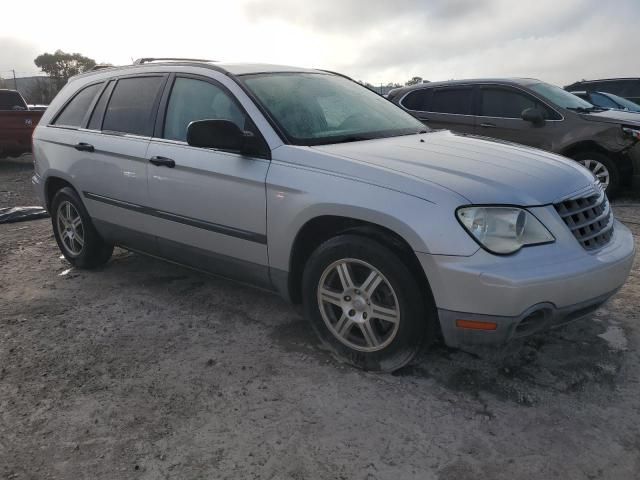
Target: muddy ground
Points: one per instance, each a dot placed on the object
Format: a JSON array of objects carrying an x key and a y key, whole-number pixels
[{"x": 145, "y": 370}]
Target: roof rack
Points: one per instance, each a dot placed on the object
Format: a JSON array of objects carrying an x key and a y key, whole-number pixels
[{"x": 140, "y": 61}]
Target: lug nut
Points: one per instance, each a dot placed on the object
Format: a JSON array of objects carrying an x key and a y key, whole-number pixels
[
  {"x": 347, "y": 298},
  {"x": 352, "y": 313},
  {"x": 364, "y": 315}
]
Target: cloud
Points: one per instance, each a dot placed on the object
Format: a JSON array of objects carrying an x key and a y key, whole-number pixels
[
  {"x": 17, "y": 55},
  {"x": 382, "y": 41}
]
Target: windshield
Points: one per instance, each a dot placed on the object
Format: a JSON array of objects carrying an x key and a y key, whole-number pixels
[
  {"x": 318, "y": 109},
  {"x": 561, "y": 97},
  {"x": 628, "y": 104}
]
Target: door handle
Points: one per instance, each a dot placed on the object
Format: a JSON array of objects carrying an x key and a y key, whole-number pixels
[
  {"x": 487, "y": 125},
  {"x": 84, "y": 147},
  {"x": 162, "y": 162}
]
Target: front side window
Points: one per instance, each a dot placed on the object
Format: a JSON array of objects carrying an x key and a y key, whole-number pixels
[
  {"x": 507, "y": 103},
  {"x": 193, "y": 100},
  {"x": 74, "y": 112},
  {"x": 318, "y": 108},
  {"x": 452, "y": 100},
  {"x": 130, "y": 109}
]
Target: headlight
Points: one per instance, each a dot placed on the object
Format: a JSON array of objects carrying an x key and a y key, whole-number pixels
[{"x": 503, "y": 230}]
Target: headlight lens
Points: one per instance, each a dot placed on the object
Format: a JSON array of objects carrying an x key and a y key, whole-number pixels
[
  {"x": 503, "y": 230},
  {"x": 633, "y": 132}
]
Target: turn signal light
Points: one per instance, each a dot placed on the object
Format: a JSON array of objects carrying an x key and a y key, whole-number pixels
[{"x": 475, "y": 325}]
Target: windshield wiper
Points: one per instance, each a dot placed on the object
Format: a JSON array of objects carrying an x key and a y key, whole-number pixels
[{"x": 586, "y": 109}]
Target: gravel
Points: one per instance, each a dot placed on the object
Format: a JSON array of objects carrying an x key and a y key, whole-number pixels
[{"x": 146, "y": 370}]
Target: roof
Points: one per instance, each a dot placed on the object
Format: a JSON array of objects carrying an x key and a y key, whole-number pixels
[
  {"x": 228, "y": 68},
  {"x": 504, "y": 81}
]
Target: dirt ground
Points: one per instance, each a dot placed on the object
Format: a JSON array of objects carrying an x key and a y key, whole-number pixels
[{"x": 145, "y": 370}]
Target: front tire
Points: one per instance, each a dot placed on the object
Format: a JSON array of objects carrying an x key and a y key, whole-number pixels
[
  {"x": 603, "y": 168},
  {"x": 75, "y": 234},
  {"x": 365, "y": 304}
]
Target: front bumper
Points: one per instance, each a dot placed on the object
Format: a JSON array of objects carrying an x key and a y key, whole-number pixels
[{"x": 536, "y": 288}]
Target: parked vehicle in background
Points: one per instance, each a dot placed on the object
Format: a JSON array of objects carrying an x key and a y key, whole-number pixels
[
  {"x": 608, "y": 100},
  {"x": 17, "y": 122},
  {"x": 628, "y": 88},
  {"x": 534, "y": 113},
  {"x": 309, "y": 184}
]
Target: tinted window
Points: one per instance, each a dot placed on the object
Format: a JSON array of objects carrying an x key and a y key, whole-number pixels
[
  {"x": 95, "y": 122},
  {"x": 452, "y": 100},
  {"x": 10, "y": 100},
  {"x": 198, "y": 100},
  {"x": 130, "y": 109},
  {"x": 603, "y": 101},
  {"x": 507, "y": 103},
  {"x": 73, "y": 114},
  {"x": 416, "y": 100}
]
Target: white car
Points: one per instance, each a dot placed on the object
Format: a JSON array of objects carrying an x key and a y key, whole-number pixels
[{"x": 306, "y": 183}]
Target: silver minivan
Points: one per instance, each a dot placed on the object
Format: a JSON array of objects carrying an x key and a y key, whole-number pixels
[{"x": 306, "y": 183}]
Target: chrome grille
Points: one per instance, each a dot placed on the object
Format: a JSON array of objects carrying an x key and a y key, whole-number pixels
[{"x": 589, "y": 219}]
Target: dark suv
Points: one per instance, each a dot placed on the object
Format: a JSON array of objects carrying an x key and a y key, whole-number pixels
[{"x": 534, "y": 113}]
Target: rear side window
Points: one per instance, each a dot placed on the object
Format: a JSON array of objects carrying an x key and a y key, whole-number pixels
[
  {"x": 74, "y": 112},
  {"x": 11, "y": 101},
  {"x": 507, "y": 103},
  {"x": 452, "y": 100},
  {"x": 417, "y": 100},
  {"x": 131, "y": 108}
]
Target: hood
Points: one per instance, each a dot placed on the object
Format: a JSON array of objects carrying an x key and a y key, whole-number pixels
[
  {"x": 613, "y": 116},
  {"x": 482, "y": 170}
]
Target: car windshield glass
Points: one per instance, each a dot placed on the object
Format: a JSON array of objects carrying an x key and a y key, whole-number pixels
[
  {"x": 319, "y": 109},
  {"x": 628, "y": 104},
  {"x": 561, "y": 97}
]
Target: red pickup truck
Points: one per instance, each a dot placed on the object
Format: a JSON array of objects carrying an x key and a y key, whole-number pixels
[{"x": 17, "y": 122}]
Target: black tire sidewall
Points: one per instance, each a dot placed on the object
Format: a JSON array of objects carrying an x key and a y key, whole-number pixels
[
  {"x": 414, "y": 320},
  {"x": 95, "y": 251},
  {"x": 614, "y": 174}
]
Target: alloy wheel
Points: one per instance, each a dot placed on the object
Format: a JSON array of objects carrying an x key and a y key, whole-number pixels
[
  {"x": 599, "y": 170},
  {"x": 358, "y": 305},
  {"x": 70, "y": 228}
]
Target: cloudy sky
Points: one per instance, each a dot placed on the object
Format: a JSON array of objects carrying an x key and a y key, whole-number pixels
[{"x": 379, "y": 41}]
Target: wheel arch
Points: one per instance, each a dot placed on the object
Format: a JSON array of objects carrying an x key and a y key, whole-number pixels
[
  {"x": 53, "y": 184},
  {"x": 321, "y": 228}
]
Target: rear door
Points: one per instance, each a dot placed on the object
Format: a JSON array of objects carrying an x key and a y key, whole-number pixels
[
  {"x": 500, "y": 116},
  {"x": 111, "y": 168},
  {"x": 209, "y": 206},
  {"x": 449, "y": 107}
]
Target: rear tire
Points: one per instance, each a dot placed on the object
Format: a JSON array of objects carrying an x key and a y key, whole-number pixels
[
  {"x": 75, "y": 234},
  {"x": 365, "y": 304},
  {"x": 603, "y": 167}
]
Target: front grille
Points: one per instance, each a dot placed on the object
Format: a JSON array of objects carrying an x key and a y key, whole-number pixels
[{"x": 589, "y": 219}]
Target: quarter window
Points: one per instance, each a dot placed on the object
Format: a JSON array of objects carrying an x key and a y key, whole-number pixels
[
  {"x": 506, "y": 103},
  {"x": 417, "y": 100},
  {"x": 131, "y": 109},
  {"x": 74, "y": 112},
  {"x": 452, "y": 100},
  {"x": 193, "y": 100}
]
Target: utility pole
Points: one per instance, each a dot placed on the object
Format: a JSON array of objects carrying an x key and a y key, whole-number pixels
[{"x": 15, "y": 82}]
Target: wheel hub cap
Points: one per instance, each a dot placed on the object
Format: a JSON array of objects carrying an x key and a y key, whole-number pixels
[
  {"x": 70, "y": 228},
  {"x": 358, "y": 305}
]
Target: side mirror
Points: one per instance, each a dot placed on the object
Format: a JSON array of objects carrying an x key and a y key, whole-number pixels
[
  {"x": 221, "y": 134},
  {"x": 533, "y": 115}
]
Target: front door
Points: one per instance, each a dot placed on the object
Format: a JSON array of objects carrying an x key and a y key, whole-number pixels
[
  {"x": 208, "y": 207},
  {"x": 500, "y": 116}
]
